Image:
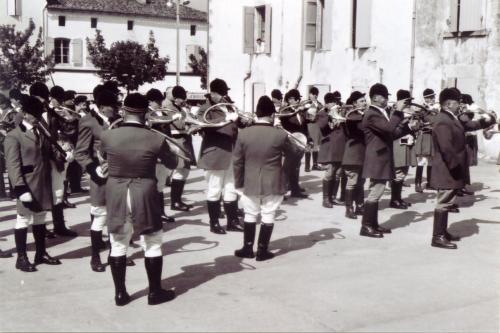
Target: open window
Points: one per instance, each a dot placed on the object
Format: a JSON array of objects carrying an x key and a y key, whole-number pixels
[
  {"x": 257, "y": 29},
  {"x": 61, "y": 50}
]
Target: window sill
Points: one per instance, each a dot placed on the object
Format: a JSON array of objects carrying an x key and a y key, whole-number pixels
[{"x": 477, "y": 33}]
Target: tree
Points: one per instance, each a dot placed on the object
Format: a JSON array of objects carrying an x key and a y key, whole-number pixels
[
  {"x": 199, "y": 65},
  {"x": 129, "y": 63},
  {"x": 20, "y": 63}
]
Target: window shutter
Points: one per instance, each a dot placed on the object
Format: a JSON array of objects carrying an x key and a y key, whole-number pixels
[
  {"x": 248, "y": 29},
  {"x": 453, "y": 15},
  {"x": 49, "y": 46},
  {"x": 319, "y": 24},
  {"x": 327, "y": 25},
  {"x": 363, "y": 23},
  {"x": 267, "y": 34},
  {"x": 18, "y": 7},
  {"x": 77, "y": 52},
  {"x": 311, "y": 14},
  {"x": 11, "y": 7},
  {"x": 471, "y": 15},
  {"x": 451, "y": 82}
]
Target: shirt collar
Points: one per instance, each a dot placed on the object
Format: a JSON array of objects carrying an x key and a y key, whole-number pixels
[
  {"x": 450, "y": 113},
  {"x": 384, "y": 112}
]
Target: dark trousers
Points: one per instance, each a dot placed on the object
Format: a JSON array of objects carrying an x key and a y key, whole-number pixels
[{"x": 291, "y": 165}]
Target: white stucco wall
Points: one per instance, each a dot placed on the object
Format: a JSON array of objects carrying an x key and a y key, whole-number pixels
[{"x": 30, "y": 9}]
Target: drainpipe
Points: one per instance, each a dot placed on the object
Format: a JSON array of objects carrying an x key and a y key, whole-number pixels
[
  {"x": 413, "y": 30},
  {"x": 245, "y": 79},
  {"x": 301, "y": 65},
  {"x": 45, "y": 28}
]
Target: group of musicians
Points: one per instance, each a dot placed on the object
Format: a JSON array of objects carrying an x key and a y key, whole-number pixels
[{"x": 132, "y": 149}]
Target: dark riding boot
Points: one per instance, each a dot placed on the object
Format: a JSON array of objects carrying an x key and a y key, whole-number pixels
[
  {"x": 349, "y": 209},
  {"x": 429, "y": 175},
  {"x": 396, "y": 188},
  {"x": 161, "y": 202},
  {"x": 315, "y": 166},
  {"x": 377, "y": 226},
  {"x": 360, "y": 200},
  {"x": 418, "y": 179},
  {"x": 335, "y": 189},
  {"x": 233, "y": 221},
  {"x": 213, "y": 214},
  {"x": 41, "y": 255},
  {"x": 439, "y": 230},
  {"x": 308, "y": 162},
  {"x": 60, "y": 228},
  {"x": 343, "y": 184},
  {"x": 118, "y": 267},
  {"x": 265, "y": 233},
  {"x": 369, "y": 221},
  {"x": 95, "y": 245},
  {"x": 66, "y": 203},
  {"x": 157, "y": 294},
  {"x": 176, "y": 189},
  {"x": 22, "y": 261},
  {"x": 248, "y": 240},
  {"x": 327, "y": 193}
]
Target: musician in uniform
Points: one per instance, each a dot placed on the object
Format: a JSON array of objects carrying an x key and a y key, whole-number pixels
[
  {"x": 381, "y": 129},
  {"x": 132, "y": 152},
  {"x": 259, "y": 176},
  {"x": 423, "y": 142},
  {"x": 88, "y": 155},
  {"x": 331, "y": 150},
  {"x": 449, "y": 161},
  {"x": 7, "y": 123},
  {"x": 27, "y": 154},
  {"x": 216, "y": 158},
  {"x": 51, "y": 121},
  {"x": 179, "y": 132},
  {"x": 277, "y": 98},
  {"x": 311, "y": 115},
  {"x": 469, "y": 112},
  {"x": 155, "y": 99},
  {"x": 354, "y": 155},
  {"x": 404, "y": 157},
  {"x": 295, "y": 123}
]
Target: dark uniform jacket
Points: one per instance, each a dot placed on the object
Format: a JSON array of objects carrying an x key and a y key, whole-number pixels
[
  {"x": 28, "y": 167},
  {"x": 217, "y": 145},
  {"x": 90, "y": 128},
  {"x": 449, "y": 162},
  {"x": 132, "y": 152},
  {"x": 295, "y": 123},
  {"x": 257, "y": 160},
  {"x": 331, "y": 149},
  {"x": 380, "y": 134},
  {"x": 354, "y": 151},
  {"x": 179, "y": 132}
]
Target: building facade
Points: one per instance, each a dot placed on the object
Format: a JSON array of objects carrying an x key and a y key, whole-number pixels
[
  {"x": 348, "y": 45},
  {"x": 68, "y": 23}
]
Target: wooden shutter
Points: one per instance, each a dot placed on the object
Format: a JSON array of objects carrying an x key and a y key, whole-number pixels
[
  {"x": 248, "y": 29},
  {"x": 326, "y": 42},
  {"x": 11, "y": 7},
  {"x": 453, "y": 18},
  {"x": 18, "y": 7},
  {"x": 267, "y": 31},
  {"x": 363, "y": 23},
  {"x": 451, "y": 82},
  {"x": 49, "y": 46},
  {"x": 471, "y": 15},
  {"x": 77, "y": 46},
  {"x": 311, "y": 15}
]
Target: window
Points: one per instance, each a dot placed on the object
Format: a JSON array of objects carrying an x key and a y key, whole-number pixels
[
  {"x": 61, "y": 51},
  {"x": 93, "y": 22},
  {"x": 62, "y": 21},
  {"x": 361, "y": 23},
  {"x": 466, "y": 15},
  {"x": 193, "y": 29},
  {"x": 318, "y": 24},
  {"x": 257, "y": 29},
  {"x": 130, "y": 25},
  {"x": 14, "y": 7}
]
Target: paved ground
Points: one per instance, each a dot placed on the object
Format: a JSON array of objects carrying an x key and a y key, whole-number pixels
[{"x": 325, "y": 277}]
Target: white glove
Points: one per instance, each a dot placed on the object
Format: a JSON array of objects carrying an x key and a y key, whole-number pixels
[
  {"x": 232, "y": 116},
  {"x": 26, "y": 197},
  {"x": 69, "y": 157},
  {"x": 100, "y": 172},
  {"x": 176, "y": 116},
  {"x": 239, "y": 191}
]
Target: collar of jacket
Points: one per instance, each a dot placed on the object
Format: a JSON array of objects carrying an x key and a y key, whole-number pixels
[
  {"x": 263, "y": 124},
  {"x": 132, "y": 124},
  {"x": 449, "y": 114},
  {"x": 97, "y": 117}
]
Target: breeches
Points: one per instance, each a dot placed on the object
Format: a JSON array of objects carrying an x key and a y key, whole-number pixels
[
  {"x": 180, "y": 174},
  {"x": 220, "y": 182},
  {"x": 266, "y": 206},
  {"x": 162, "y": 173},
  {"x": 445, "y": 198},
  {"x": 333, "y": 171},
  {"x": 150, "y": 243},
  {"x": 99, "y": 217},
  {"x": 23, "y": 221},
  {"x": 401, "y": 174},
  {"x": 353, "y": 174},
  {"x": 57, "y": 177},
  {"x": 376, "y": 190}
]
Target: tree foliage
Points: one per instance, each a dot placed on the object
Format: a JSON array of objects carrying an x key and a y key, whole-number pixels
[
  {"x": 199, "y": 65},
  {"x": 129, "y": 63},
  {"x": 22, "y": 64}
]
